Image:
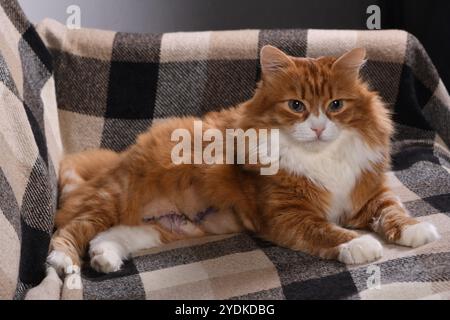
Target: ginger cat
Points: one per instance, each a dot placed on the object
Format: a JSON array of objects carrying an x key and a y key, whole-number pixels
[{"x": 334, "y": 139}]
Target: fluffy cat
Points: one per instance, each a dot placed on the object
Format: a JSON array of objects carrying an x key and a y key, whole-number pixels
[{"x": 334, "y": 152}]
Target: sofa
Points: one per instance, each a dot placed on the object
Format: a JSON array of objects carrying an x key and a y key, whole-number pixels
[{"x": 67, "y": 90}]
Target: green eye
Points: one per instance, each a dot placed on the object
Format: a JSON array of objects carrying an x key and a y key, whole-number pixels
[
  {"x": 336, "y": 105},
  {"x": 296, "y": 105}
]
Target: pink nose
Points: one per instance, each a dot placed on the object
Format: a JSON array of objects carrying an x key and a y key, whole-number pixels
[{"x": 318, "y": 131}]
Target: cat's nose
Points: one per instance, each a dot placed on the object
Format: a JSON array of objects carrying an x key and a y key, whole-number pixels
[{"x": 318, "y": 130}]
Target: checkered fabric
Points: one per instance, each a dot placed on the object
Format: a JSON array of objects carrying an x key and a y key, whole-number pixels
[
  {"x": 111, "y": 86},
  {"x": 30, "y": 150}
]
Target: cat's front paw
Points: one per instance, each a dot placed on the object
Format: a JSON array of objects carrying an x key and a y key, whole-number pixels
[
  {"x": 417, "y": 235},
  {"x": 360, "y": 250},
  {"x": 105, "y": 257}
]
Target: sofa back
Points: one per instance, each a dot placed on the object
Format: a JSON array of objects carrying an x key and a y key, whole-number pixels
[{"x": 111, "y": 86}]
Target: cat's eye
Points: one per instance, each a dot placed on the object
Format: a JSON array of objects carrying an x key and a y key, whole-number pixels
[
  {"x": 296, "y": 105},
  {"x": 336, "y": 105}
]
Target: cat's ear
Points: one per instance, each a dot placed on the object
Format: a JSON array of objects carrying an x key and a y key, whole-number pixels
[
  {"x": 350, "y": 63},
  {"x": 273, "y": 60}
]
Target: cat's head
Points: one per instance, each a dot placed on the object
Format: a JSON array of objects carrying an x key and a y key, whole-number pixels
[{"x": 315, "y": 100}]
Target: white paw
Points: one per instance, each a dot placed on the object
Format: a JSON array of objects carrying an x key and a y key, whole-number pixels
[
  {"x": 105, "y": 256},
  {"x": 417, "y": 235},
  {"x": 360, "y": 250},
  {"x": 62, "y": 263}
]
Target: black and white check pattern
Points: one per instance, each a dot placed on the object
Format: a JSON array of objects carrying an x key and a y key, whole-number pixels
[
  {"x": 28, "y": 182},
  {"x": 108, "y": 87}
]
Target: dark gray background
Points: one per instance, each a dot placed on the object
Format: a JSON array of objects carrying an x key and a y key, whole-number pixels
[
  {"x": 427, "y": 19},
  {"x": 187, "y": 15}
]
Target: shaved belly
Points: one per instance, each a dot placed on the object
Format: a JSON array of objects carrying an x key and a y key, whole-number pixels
[{"x": 190, "y": 216}]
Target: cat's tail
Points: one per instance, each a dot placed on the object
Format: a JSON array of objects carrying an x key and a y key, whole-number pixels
[{"x": 75, "y": 169}]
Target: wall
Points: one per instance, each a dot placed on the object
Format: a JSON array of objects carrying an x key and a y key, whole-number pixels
[
  {"x": 187, "y": 15},
  {"x": 426, "y": 19}
]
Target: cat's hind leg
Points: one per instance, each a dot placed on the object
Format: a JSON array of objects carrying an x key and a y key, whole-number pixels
[
  {"x": 110, "y": 248},
  {"x": 89, "y": 210}
]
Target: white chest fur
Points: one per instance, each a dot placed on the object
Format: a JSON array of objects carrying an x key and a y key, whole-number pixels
[{"x": 336, "y": 168}]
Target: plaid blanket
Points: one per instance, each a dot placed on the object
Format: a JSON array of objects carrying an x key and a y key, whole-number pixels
[
  {"x": 30, "y": 150},
  {"x": 108, "y": 87}
]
